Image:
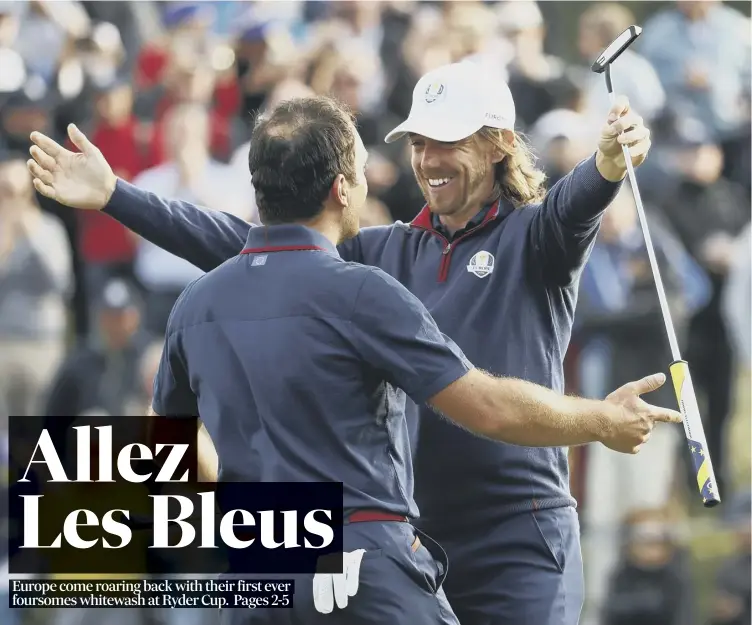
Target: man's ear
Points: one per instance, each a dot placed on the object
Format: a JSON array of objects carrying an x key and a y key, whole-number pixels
[
  {"x": 497, "y": 155},
  {"x": 340, "y": 193},
  {"x": 510, "y": 141}
]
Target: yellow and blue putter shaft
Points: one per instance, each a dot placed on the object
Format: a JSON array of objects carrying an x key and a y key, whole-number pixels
[{"x": 679, "y": 368}]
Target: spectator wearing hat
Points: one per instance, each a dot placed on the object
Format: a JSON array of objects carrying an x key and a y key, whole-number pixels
[
  {"x": 265, "y": 55},
  {"x": 36, "y": 280},
  {"x": 562, "y": 138},
  {"x": 187, "y": 26},
  {"x": 103, "y": 374}
]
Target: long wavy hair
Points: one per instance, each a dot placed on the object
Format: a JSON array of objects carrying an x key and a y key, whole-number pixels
[{"x": 517, "y": 179}]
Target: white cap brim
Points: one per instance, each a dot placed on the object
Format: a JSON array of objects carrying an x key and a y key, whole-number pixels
[{"x": 438, "y": 130}]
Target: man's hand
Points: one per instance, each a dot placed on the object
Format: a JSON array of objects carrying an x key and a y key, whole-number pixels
[
  {"x": 634, "y": 421},
  {"x": 83, "y": 180},
  {"x": 624, "y": 127},
  {"x": 328, "y": 587}
]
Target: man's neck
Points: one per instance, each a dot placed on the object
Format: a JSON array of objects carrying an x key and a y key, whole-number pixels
[
  {"x": 325, "y": 227},
  {"x": 458, "y": 221}
]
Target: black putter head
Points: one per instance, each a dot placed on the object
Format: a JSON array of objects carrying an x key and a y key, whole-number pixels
[{"x": 617, "y": 46}]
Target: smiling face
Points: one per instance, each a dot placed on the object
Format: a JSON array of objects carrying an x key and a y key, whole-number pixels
[{"x": 455, "y": 178}]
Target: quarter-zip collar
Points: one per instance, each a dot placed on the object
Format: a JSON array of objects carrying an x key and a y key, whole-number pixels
[{"x": 426, "y": 220}]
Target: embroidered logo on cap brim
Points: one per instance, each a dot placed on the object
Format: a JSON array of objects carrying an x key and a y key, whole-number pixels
[{"x": 434, "y": 92}]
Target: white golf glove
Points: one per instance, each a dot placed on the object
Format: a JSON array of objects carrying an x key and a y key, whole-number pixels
[{"x": 328, "y": 588}]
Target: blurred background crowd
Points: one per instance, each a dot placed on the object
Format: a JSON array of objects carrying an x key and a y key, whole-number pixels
[{"x": 169, "y": 91}]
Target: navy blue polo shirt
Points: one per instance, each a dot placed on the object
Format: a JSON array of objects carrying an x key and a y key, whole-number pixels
[
  {"x": 299, "y": 363},
  {"x": 504, "y": 289}
]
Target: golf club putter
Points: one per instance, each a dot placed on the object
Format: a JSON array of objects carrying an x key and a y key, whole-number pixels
[{"x": 679, "y": 368}]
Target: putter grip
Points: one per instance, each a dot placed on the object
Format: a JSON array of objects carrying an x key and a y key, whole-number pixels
[{"x": 698, "y": 446}]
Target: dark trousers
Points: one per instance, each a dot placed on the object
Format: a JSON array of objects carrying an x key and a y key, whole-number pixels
[
  {"x": 398, "y": 585},
  {"x": 526, "y": 571}
]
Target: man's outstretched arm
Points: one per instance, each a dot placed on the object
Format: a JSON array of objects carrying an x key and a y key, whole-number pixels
[
  {"x": 526, "y": 414},
  {"x": 205, "y": 238},
  {"x": 85, "y": 180},
  {"x": 431, "y": 369}
]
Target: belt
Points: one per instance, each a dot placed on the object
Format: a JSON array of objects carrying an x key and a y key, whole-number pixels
[{"x": 365, "y": 516}]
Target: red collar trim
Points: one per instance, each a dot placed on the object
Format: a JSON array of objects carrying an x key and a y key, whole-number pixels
[
  {"x": 423, "y": 218},
  {"x": 282, "y": 248}
]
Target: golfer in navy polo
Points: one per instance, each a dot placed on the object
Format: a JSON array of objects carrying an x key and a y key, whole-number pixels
[{"x": 496, "y": 263}]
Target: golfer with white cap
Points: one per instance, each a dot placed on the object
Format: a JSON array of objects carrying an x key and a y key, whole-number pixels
[{"x": 496, "y": 260}]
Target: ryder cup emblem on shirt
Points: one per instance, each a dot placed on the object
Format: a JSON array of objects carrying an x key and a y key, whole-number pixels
[
  {"x": 481, "y": 264},
  {"x": 434, "y": 91}
]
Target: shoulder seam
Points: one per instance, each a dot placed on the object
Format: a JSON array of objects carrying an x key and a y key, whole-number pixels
[
  {"x": 179, "y": 302},
  {"x": 369, "y": 271}
]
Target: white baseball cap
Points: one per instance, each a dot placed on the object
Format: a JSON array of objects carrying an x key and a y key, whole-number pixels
[{"x": 452, "y": 102}]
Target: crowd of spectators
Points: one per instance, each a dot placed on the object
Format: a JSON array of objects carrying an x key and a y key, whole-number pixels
[{"x": 169, "y": 92}]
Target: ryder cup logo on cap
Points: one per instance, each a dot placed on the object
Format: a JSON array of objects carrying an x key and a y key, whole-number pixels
[
  {"x": 434, "y": 91},
  {"x": 455, "y": 101},
  {"x": 481, "y": 264}
]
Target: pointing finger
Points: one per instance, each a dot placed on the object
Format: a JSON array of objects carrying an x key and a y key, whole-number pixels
[
  {"x": 37, "y": 172},
  {"x": 44, "y": 159},
  {"x": 49, "y": 146},
  {"x": 665, "y": 415}
]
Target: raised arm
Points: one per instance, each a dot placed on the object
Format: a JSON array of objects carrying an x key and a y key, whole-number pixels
[
  {"x": 205, "y": 238},
  {"x": 85, "y": 180},
  {"x": 565, "y": 225}
]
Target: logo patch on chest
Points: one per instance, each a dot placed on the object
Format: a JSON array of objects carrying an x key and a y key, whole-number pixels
[{"x": 481, "y": 264}]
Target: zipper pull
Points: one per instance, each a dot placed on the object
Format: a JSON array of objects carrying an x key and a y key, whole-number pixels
[{"x": 447, "y": 249}]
